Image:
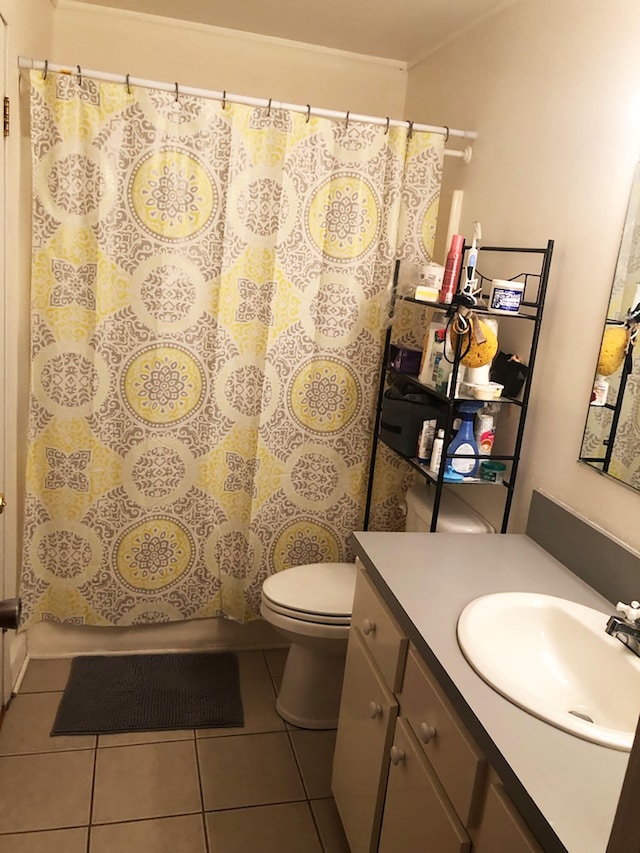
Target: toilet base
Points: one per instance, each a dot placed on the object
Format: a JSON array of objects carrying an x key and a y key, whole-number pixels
[{"x": 312, "y": 684}]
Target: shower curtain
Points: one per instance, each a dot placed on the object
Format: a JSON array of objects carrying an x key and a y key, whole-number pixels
[{"x": 209, "y": 297}]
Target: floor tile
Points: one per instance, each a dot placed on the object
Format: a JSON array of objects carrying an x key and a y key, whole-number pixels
[
  {"x": 45, "y": 675},
  {"x": 251, "y": 664},
  {"x": 48, "y": 791},
  {"x": 259, "y": 705},
  {"x": 314, "y": 752},
  {"x": 276, "y": 659},
  {"x": 132, "y": 738},
  {"x": 248, "y": 770},
  {"x": 284, "y": 828},
  {"x": 330, "y": 826},
  {"x": 55, "y": 841},
  {"x": 184, "y": 834},
  {"x": 150, "y": 780},
  {"x": 27, "y": 725}
]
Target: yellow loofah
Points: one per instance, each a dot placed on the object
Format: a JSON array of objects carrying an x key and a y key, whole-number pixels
[
  {"x": 479, "y": 354},
  {"x": 612, "y": 350}
]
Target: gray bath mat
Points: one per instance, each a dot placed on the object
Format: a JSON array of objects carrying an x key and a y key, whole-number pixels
[{"x": 133, "y": 693}]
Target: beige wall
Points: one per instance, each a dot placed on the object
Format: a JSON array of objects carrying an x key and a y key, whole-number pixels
[
  {"x": 553, "y": 90},
  {"x": 211, "y": 58},
  {"x": 29, "y": 30}
]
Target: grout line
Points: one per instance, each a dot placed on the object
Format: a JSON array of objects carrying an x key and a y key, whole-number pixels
[
  {"x": 202, "y": 812},
  {"x": 316, "y": 825},
  {"x": 91, "y": 798}
]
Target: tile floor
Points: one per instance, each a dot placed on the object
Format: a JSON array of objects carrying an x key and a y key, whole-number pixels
[{"x": 264, "y": 787}]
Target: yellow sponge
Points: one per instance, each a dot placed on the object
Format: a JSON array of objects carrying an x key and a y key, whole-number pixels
[
  {"x": 612, "y": 350},
  {"x": 479, "y": 354}
]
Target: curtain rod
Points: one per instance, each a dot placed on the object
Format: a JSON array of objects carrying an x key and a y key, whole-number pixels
[{"x": 127, "y": 79}]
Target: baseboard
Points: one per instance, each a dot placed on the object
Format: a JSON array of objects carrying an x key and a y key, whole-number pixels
[{"x": 53, "y": 640}]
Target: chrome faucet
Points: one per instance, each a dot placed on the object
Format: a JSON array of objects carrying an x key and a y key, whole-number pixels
[{"x": 626, "y": 628}]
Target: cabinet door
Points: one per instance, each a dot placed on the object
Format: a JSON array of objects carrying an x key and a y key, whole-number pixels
[
  {"x": 417, "y": 814},
  {"x": 367, "y": 715},
  {"x": 502, "y": 828}
]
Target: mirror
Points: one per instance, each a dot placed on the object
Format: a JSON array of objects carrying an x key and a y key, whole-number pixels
[{"x": 611, "y": 440}]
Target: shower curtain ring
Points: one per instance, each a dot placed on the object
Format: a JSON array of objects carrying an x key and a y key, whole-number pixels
[
  {"x": 308, "y": 112},
  {"x": 46, "y": 69},
  {"x": 128, "y": 86},
  {"x": 410, "y": 133},
  {"x": 346, "y": 120},
  {"x": 446, "y": 139},
  {"x": 176, "y": 85},
  {"x": 224, "y": 99},
  {"x": 386, "y": 130},
  {"x": 269, "y": 108},
  {"x": 79, "y": 76}
]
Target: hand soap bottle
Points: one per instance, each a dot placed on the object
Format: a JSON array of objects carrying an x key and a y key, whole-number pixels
[{"x": 464, "y": 442}]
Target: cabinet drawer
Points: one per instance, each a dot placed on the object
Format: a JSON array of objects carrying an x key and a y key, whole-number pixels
[
  {"x": 365, "y": 726},
  {"x": 502, "y": 828},
  {"x": 381, "y": 633},
  {"x": 456, "y": 759},
  {"x": 417, "y": 815}
]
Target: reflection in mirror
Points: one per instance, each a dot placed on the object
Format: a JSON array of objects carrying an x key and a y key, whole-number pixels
[{"x": 611, "y": 441}]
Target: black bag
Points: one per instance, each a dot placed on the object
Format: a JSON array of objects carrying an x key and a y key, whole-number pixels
[
  {"x": 404, "y": 408},
  {"x": 508, "y": 372}
]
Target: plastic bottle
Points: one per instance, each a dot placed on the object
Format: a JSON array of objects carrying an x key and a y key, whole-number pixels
[
  {"x": 436, "y": 452},
  {"x": 464, "y": 442},
  {"x": 600, "y": 391},
  {"x": 425, "y": 442},
  {"x": 485, "y": 428},
  {"x": 452, "y": 269}
]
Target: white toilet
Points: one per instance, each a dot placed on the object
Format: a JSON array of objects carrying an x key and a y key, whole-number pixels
[{"x": 311, "y": 605}]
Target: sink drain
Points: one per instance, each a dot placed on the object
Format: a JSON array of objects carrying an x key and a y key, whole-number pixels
[{"x": 582, "y": 715}]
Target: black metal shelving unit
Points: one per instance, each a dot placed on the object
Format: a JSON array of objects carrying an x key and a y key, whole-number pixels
[
  {"x": 531, "y": 311},
  {"x": 602, "y": 463}
]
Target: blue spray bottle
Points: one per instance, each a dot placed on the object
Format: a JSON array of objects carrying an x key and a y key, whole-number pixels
[{"x": 464, "y": 442}]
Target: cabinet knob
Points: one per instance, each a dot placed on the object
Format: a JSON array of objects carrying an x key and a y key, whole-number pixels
[
  {"x": 375, "y": 710},
  {"x": 427, "y": 733},
  {"x": 397, "y": 755},
  {"x": 368, "y": 627}
]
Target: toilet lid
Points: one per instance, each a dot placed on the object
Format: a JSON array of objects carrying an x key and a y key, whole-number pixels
[{"x": 321, "y": 589}]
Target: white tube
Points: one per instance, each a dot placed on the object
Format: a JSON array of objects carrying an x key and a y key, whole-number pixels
[
  {"x": 454, "y": 219},
  {"x": 39, "y": 64}
]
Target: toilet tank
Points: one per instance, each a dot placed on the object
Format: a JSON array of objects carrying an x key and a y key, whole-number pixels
[{"x": 454, "y": 515}]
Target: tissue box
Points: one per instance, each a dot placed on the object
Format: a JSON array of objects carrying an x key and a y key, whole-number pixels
[{"x": 405, "y": 360}]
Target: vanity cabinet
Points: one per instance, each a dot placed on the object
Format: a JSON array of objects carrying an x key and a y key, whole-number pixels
[{"x": 407, "y": 775}]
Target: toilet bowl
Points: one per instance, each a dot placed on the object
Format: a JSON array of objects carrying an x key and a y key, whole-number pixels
[{"x": 311, "y": 606}]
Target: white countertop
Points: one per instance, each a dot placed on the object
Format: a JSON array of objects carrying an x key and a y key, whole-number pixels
[{"x": 571, "y": 784}]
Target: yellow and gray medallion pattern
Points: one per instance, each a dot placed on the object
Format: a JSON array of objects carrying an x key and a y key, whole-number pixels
[{"x": 209, "y": 290}]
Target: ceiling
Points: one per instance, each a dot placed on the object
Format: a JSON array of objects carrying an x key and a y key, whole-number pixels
[{"x": 403, "y": 30}]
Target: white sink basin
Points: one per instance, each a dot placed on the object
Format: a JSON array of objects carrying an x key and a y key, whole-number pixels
[{"x": 552, "y": 657}]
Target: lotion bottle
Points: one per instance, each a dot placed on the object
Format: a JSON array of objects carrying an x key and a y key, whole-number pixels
[{"x": 452, "y": 269}]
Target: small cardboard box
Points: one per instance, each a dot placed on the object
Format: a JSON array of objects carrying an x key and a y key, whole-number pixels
[{"x": 405, "y": 360}]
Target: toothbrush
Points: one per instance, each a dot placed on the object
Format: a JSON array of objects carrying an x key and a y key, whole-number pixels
[{"x": 472, "y": 260}]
